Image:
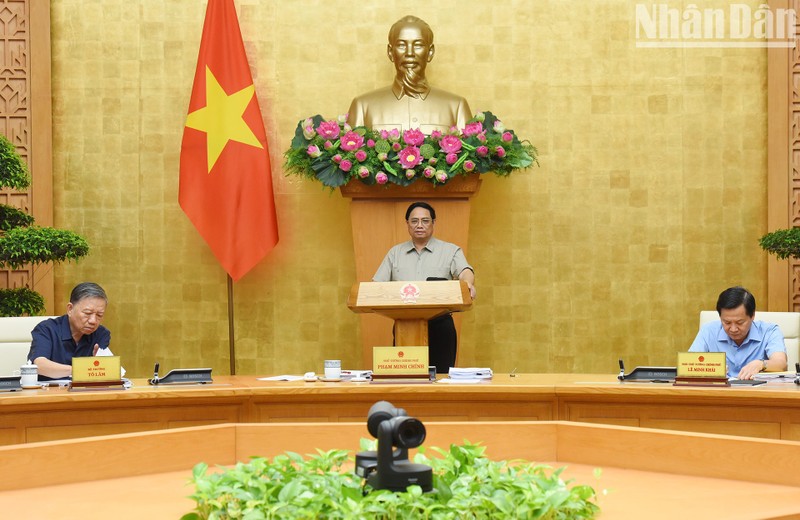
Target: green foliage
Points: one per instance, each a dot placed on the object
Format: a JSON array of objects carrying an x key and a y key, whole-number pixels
[
  {"x": 20, "y": 302},
  {"x": 38, "y": 245},
  {"x": 11, "y": 218},
  {"x": 13, "y": 170},
  {"x": 21, "y": 243},
  {"x": 783, "y": 243},
  {"x": 466, "y": 485}
]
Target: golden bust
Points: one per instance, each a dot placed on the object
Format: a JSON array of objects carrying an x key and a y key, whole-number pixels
[{"x": 409, "y": 102}]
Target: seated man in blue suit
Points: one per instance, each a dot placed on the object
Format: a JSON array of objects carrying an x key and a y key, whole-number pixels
[
  {"x": 78, "y": 333},
  {"x": 750, "y": 346}
]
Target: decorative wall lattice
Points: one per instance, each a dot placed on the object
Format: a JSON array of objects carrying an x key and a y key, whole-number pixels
[
  {"x": 15, "y": 120},
  {"x": 794, "y": 159}
]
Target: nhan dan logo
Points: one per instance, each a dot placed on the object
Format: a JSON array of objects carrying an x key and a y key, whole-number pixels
[{"x": 738, "y": 25}]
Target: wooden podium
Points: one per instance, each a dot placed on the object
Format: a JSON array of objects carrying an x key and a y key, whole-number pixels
[{"x": 410, "y": 305}]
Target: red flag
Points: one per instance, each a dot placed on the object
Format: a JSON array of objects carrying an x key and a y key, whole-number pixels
[{"x": 226, "y": 181}]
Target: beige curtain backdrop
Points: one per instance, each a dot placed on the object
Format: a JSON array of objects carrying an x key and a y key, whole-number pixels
[{"x": 650, "y": 197}]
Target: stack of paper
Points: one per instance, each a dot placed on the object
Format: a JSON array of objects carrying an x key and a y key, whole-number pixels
[
  {"x": 778, "y": 377},
  {"x": 470, "y": 373},
  {"x": 358, "y": 375}
]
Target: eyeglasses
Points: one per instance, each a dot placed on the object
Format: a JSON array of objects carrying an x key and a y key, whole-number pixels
[{"x": 424, "y": 221}]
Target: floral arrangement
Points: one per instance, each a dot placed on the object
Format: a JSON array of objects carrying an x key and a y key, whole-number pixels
[{"x": 333, "y": 153}]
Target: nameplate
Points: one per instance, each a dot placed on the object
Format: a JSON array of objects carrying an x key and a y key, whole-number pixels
[
  {"x": 400, "y": 362},
  {"x": 183, "y": 376},
  {"x": 702, "y": 369},
  {"x": 96, "y": 369}
]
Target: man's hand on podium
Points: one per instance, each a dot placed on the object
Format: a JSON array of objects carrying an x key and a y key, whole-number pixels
[{"x": 468, "y": 276}]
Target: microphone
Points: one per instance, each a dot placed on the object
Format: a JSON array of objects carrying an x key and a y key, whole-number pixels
[
  {"x": 621, "y": 375},
  {"x": 797, "y": 373},
  {"x": 154, "y": 381}
]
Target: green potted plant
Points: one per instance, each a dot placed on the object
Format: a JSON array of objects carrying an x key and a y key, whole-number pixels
[
  {"x": 783, "y": 243},
  {"x": 22, "y": 242},
  {"x": 466, "y": 485}
]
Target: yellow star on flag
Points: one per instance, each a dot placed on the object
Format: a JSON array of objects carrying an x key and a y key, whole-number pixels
[{"x": 221, "y": 118}]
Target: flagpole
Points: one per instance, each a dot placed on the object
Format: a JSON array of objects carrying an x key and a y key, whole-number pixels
[{"x": 231, "y": 346}]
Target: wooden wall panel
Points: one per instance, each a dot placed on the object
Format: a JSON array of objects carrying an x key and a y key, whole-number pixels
[{"x": 25, "y": 118}]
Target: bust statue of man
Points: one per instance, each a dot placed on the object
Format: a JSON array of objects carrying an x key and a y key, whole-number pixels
[{"x": 409, "y": 102}]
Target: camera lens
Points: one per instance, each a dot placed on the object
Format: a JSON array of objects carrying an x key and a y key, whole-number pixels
[{"x": 408, "y": 432}]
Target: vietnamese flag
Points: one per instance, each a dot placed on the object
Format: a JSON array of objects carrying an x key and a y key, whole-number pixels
[{"x": 226, "y": 181}]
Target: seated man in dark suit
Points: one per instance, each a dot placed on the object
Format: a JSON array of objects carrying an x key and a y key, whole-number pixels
[{"x": 78, "y": 333}]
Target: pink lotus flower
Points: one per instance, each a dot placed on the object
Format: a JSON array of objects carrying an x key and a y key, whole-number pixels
[
  {"x": 436, "y": 135},
  {"x": 308, "y": 128},
  {"x": 499, "y": 126},
  {"x": 410, "y": 174},
  {"x": 394, "y": 134},
  {"x": 346, "y": 165},
  {"x": 500, "y": 151},
  {"x": 328, "y": 129},
  {"x": 473, "y": 129},
  {"x": 313, "y": 151},
  {"x": 507, "y": 137},
  {"x": 383, "y": 156},
  {"x": 370, "y": 143},
  {"x": 409, "y": 157},
  {"x": 352, "y": 141},
  {"x": 413, "y": 137},
  {"x": 451, "y": 158},
  {"x": 381, "y": 178},
  {"x": 396, "y": 147},
  {"x": 482, "y": 136},
  {"x": 337, "y": 158},
  {"x": 361, "y": 156},
  {"x": 432, "y": 161},
  {"x": 384, "y": 134},
  {"x": 441, "y": 176},
  {"x": 428, "y": 172},
  {"x": 469, "y": 165},
  {"x": 363, "y": 172},
  {"x": 482, "y": 151},
  {"x": 450, "y": 144},
  {"x": 327, "y": 145}
]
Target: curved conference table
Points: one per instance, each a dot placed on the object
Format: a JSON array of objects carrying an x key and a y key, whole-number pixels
[
  {"x": 770, "y": 411},
  {"x": 636, "y": 472}
]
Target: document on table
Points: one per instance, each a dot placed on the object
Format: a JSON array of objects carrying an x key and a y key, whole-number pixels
[
  {"x": 284, "y": 377},
  {"x": 470, "y": 373},
  {"x": 777, "y": 377},
  {"x": 56, "y": 382}
]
